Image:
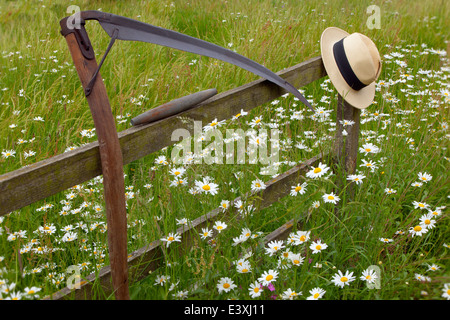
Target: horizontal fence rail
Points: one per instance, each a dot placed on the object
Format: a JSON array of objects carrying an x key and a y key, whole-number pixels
[
  {"x": 149, "y": 258},
  {"x": 40, "y": 180}
]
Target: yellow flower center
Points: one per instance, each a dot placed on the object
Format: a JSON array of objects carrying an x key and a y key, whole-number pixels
[
  {"x": 316, "y": 295},
  {"x": 206, "y": 187},
  {"x": 317, "y": 170},
  {"x": 170, "y": 239},
  {"x": 297, "y": 189},
  {"x": 344, "y": 279},
  {"x": 177, "y": 173},
  {"x": 427, "y": 221},
  {"x": 421, "y": 205},
  {"x": 244, "y": 270},
  {"x": 318, "y": 247},
  {"x": 368, "y": 277},
  {"x": 256, "y": 290},
  {"x": 368, "y": 149},
  {"x": 296, "y": 261},
  {"x": 275, "y": 248},
  {"x": 303, "y": 238},
  {"x": 330, "y": 198},
  {"x": 258, "y": 185},
  {"x": 417, "y": 228},
  {"x": 237, "y": 115},
  {"x": 219, "y": 227},
  {"x": 269, "y": 277},
  {"x": 226, "y": 285},
  {"x": 247, "y": 234},
  {"x": 224, "y": 205},
  {"x": 258, "y": 121},
  {"x": 213, "y": 124},
  {"x": 423, "y": 178}
]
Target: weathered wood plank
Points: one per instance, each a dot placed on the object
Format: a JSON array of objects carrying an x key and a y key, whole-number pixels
[
  {"x": 150, "y": 257},
  {"x": 38, "y": 181},
  {"x": 345, "y": 147}
]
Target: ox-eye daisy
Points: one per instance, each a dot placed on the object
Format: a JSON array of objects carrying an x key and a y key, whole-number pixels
[
  {"x": 296, "y": 259},
  {"x": 390, "y": 191},
  {"x": 225, "y": 284},
  {"x": 433, "y": 267},
  {"x": 206, "y": 186},
  {"x": 258, "y": 185},
  {"x": 427, "y": 221},
  {"x": 255, "y": 289},
  {"x": 369, "y": 148},
  {"x": 213, "y": 125},
  {"x": 219, "y": 226},
  {"x": 245, "y": 267},
  {"x": 290, "y": 294},
  {"x": 301, "y": 237},
  {"x": 224, "y": 204},
  {"x": 177, "y": 172},
  {"x": 331, "y": 198},
  {"x": 172, "y": 237},
  {"x": 341, "y": 280},
  {"x": 316, "y": 294},
  {"x": 446, "y": 291},
  {"x": 418, "y": 230},
  {"x": 369, "y": 275},
  {"x": 298, "y": 189},
  {"x": 206, "y": 233},
  {"x": 318, "y": 171},
  {"x": 357, "y": 178},
  {"x": 274, "y": 246},
  {"x": 268, "y": 277},
  {"x": 420, "y": 205},
  {"x": 318, "y": 246},
  {"x": 424, "y": 177}
]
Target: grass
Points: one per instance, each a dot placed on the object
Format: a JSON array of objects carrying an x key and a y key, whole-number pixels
[{"x": 44, "y": 113}]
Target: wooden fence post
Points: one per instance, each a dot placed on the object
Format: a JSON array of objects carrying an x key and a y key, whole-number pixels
[
  {"x": 345, "y": 150},
  {"x": 112, "y": 167}
]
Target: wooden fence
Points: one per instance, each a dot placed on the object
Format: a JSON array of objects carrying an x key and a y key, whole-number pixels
[{"x": 38, "y": 181}]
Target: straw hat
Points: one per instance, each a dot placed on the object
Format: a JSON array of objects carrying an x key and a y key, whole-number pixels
[{"x": 353, "y": 63}]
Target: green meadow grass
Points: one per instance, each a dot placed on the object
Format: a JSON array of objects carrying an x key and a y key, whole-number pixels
[{"x": 43, "y": 113}]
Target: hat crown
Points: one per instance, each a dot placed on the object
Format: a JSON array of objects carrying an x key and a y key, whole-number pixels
[{"x": 363, "y": 57}]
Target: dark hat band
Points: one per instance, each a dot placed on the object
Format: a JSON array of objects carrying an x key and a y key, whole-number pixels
[{"x": 344, "y": 66}]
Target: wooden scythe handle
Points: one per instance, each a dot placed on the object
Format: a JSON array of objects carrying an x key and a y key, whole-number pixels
[{"x": 112, "y": 168}]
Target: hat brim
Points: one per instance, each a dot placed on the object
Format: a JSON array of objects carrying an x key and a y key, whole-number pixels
[{"x": 360, "y": 99}]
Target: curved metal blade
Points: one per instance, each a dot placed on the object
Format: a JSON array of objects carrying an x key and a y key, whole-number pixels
[{"x": 134, "y": 30}]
